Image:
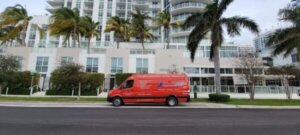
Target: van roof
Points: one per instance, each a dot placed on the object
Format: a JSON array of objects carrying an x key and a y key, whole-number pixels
[{"x": 157, "y": 75}]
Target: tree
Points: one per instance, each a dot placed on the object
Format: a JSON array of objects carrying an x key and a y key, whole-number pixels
[
  {"x": 16, "y": 20},
  {"x": 120, "y": 27},
  {"x": 286, "y": 40},
  {"x": 285, "y": 72},
  {"x": 251, "y": 69},
  {"x": 66, "y": 22},
  {"x": 89, "y": 29},
  {"x": 211, "y": 21},
  {"x": 7, "y": 37},
  {"x": 164, "y": 20},
  {"x": 8, "y": 63},
  {"x": 139, "y": 27}
]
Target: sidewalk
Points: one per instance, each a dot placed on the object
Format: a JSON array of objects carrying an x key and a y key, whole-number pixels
[{"x": 138, "y": 106}]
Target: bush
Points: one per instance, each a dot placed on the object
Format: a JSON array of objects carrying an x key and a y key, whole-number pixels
[
  {"x": 18, "y": 83},
  {"x": 219, "y": 98},
  {"x": 121, "y": 77},
  {"x": 65, "y": 79}
]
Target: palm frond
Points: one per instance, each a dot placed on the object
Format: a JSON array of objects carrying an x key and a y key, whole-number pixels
[{"x": 233, "y": 25}]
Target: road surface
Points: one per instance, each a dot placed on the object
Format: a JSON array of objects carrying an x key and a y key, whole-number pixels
[{"x": 152, "y": 121}]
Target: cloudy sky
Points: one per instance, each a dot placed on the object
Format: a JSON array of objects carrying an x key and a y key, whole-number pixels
[{"x": 264, "y": 12}]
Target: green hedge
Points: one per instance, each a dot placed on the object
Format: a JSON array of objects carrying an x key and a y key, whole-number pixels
[
  {"x": 89, "y": 84},
  {"x": 121, "y": 77},
  {"x": 219, "y": 98},
  {"x": 18, "y": 83}
]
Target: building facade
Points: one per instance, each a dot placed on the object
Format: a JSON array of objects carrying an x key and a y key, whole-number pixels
[{"x": 44, "y": 55}]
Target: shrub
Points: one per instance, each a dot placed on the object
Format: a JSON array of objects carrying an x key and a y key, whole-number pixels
[
  {"x": 19, "y": 83},
  {"x": 219, "y": 98},
  {"x": 66, "y": 78},
  {"x": 121, "y": 77}
]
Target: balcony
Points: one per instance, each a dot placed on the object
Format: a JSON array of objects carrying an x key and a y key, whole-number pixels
[
  {"x": 55, "y": 2},
  {"x": 188, "y": 6}
]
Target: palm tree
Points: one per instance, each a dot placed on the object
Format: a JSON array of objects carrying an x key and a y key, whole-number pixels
[
  {"x": 66, "y": 22},
  {"x": 287, "y": 39},
  {"x": 89, "y": 29},
  {"x": 211, "y": 21},
  {"x": 139, "y": 27},
  {"x": 164, "y": 20},
  {"x": 7, "y": 36},
  {"x": 17, "y": 18},
  {"x": 120, "y": 27}
]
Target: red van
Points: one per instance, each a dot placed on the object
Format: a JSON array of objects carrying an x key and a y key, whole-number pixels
[{"x": 151, "y": 88}]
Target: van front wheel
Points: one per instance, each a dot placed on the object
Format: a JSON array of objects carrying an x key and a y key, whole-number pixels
[
  {"x": 117, "y": 101},
  {"x": 172, "y": 101}
]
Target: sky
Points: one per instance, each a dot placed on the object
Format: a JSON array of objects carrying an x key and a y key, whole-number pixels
[{"x": 263, "y": 12}]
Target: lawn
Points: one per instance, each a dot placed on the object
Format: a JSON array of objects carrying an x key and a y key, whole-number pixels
[{"x": 52, "y": 99}]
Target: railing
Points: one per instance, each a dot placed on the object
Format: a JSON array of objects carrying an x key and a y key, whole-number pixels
[
  {"x": 244, "y": 89},
  {"x": 187, "y": 5}
]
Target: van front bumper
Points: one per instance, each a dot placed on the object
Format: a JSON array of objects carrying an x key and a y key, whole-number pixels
[{"x": 109, "y": 99}]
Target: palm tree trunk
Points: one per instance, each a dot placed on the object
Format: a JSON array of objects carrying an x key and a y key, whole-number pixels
[
  {"x": 78, "y": 40},
  {"x": 23, "y": 36},
  {"x": 88, "y": 46},
  {"x": 167, "y": 36},
  {"x": 74, "y": 40},
  {"x": 142, "y": 39},
  {"x": 217, "y": 69}
]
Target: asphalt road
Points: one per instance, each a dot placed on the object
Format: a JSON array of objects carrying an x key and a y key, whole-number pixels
[{"x": 168, "y": 121}]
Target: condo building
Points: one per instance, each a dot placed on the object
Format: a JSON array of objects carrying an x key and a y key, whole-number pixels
[{"x": 44, "y": 55}]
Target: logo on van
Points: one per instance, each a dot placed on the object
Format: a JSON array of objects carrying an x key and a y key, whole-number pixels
[{"x": 160, "y": 84}]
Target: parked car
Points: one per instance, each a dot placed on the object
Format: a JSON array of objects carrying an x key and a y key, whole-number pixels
[{"x": 152, "y": 88}]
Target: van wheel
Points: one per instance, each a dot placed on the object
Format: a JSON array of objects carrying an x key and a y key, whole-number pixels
[
  {"x": 172, "y": 101},
  {"x": 117, "y": 101}
]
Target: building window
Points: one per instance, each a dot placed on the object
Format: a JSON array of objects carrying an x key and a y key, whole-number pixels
[
  {"x": 66, "y": 60},
  {"x": 42, "y": 64},
  {"x": 226, "y": 71},
  {"x": 191, "y": 70},
  {"x": 116, "y": 65},
  {"x": 142, "y": 65},
  {"x": 107, "y": 37},
  {"x": 294, "y": 58},
  {"x": 92, "y": 65},
  {"x": 20, "y": 62},
  {"x": 78, "y": 4},
  {"x": 207, "y": 70}
]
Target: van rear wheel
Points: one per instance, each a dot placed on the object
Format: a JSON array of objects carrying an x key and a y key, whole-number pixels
[
  {"x": 117, "y": 101},
  {"x": 172, "y": 101}
]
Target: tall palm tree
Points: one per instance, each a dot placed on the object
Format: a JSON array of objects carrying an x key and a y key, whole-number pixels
[
  {"x": 164, "y": 20},
  {"x": 66, "y": 22},
  {"x": 287, "y": 39},
  {"x": 211, "y": 21},
  {"x": 139, "y": 27},
  {"x": 7, "y": 36},
  {"x": 89, "y": 29},
  {"x": 17, "y": 18},
  {"x": 120, "y": 27}
]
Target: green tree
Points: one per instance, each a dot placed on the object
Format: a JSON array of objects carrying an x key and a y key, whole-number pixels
[
  {"x": 66, "y": 22},
  {"x": 164, "y": 20},
  {"x": 15, "y": 21},
  {"x": 89, "y": 29},
  {"x": 9, "y": 63},
  {"x": 211, "y": 21},
  {"x": 285, "y": 40},
  {"x": 120, "y": 27},
  {"x": 139, "y": 27}
]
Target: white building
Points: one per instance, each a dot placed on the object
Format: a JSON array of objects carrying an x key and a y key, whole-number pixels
[
  {"x": 266, "y": 52},
  {"x": 46, "y": 54}
]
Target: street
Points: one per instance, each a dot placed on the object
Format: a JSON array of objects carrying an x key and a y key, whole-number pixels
[{"x": 152, "y": 121}]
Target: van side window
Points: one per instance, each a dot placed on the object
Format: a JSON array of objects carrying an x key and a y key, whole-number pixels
[{"x": 128, "y": 84}]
